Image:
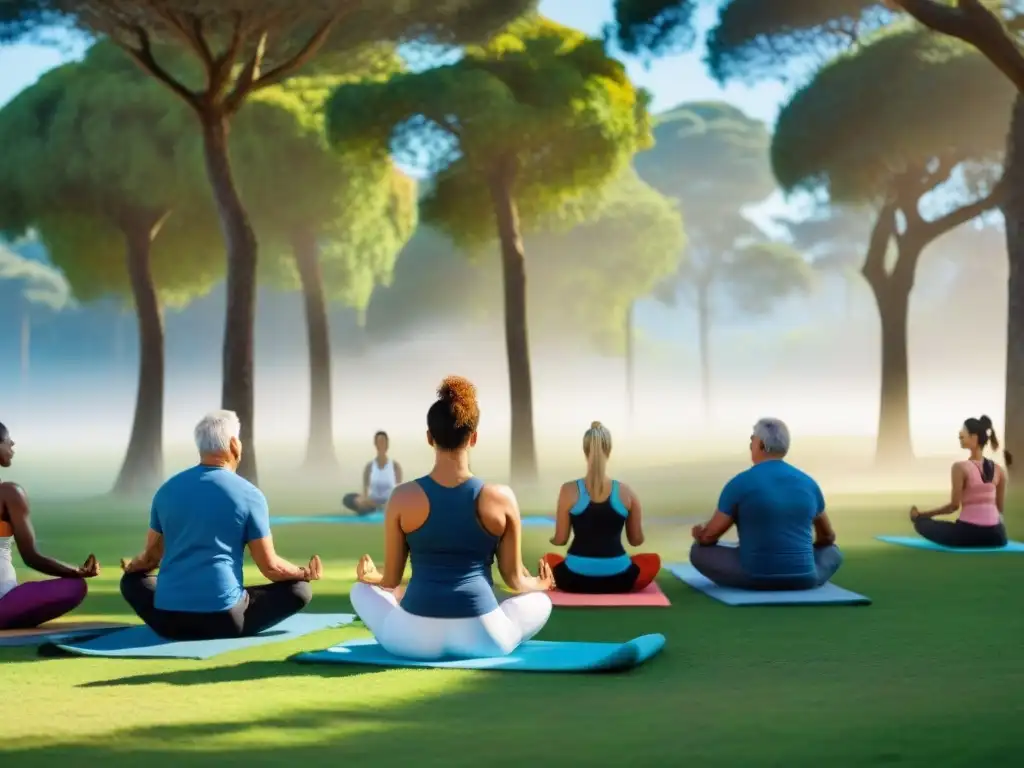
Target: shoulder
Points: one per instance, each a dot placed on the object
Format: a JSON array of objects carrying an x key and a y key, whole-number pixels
[
  {"x": 10, "y": 491},
  {"x": 626, "y": 492},
  {"x": 405, "y": 492},
  {"x": 959, "y": 467},
  {"x": 568, "y": 487},
  {"x": 495, "y": 493}
]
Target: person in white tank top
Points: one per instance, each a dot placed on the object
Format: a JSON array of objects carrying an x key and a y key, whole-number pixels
[{"x": 380, "y": 478}]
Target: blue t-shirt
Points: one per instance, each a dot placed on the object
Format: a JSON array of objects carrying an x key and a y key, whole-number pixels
[
  {"x": 774, "y": 505},
  {"x": 206, "y": 515}
]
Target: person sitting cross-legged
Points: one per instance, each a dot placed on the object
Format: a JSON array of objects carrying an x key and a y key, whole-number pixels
[
  {"x": 786, "y": 541},
  {"x": 200, "y": 523}
]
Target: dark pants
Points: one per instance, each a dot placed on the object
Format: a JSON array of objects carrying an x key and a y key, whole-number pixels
[
  {"x": 722, "y": 565},
  {"x": 260, "y": 608},
  {"x": 570, "y": 581},
  {"x": 950, "y": 533},
  {"x": 349, "y": 500}
]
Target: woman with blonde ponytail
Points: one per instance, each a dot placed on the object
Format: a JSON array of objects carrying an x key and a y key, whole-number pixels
[{"x": 596, "y": 510}]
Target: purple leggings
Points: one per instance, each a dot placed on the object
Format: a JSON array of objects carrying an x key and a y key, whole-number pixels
[{"x": 37, "y": 602}]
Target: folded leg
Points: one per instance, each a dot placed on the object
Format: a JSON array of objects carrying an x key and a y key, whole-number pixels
[
  {"x": 37, "y": 602},
  {"x": 721, "y": 565},
  {"x": 650, "y": 566},
  {"x": 528, "y": 613},
  {"x": 373, "y": 606},
  {"x": 943, "y": 532},
  {"x": 270, "y": 604},
  {"x": 826, "y": 562}
]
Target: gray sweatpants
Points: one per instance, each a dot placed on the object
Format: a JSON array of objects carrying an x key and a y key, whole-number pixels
[{"x": 722, "y": 565}]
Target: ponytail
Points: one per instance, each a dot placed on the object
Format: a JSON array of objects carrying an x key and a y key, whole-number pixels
[{"x": 597, "y": 445}]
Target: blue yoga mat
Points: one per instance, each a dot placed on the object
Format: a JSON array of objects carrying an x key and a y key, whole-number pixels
[
  {"x": 532, "y": 656},
  {"x": 23, "y": 640},
  {"x": 378, "y": 517},
  {"x": 916, "y": 542},
  {"x": 829, "y": 594},
  {"x": 144, "y": 643}
]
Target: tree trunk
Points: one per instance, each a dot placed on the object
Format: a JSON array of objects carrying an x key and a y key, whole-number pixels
[
  {"x": 704, "y": 333},
  {"x": 1013, "y": 211},
  {"x": 240, "y": 319},
  {"x": 320, "y": 446},
  {"x": 143, "y": 467},
  {"x": 630, "y": 363},
  {"x": 26, "y": 345},
  {"x": 513, "y": 263},
  {"x": 892, "y": 294}
]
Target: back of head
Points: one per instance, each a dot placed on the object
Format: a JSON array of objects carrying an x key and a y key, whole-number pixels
[
  {"x": 773, "y": 435},
  {"x": 215, "y": 431},
  {"x": 597, "y": 447},
  {"x": 982, "y": 429},
  {"x": 455, "y": 415}
]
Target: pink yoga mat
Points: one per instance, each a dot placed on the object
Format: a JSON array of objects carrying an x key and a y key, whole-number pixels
[{"x": 648, "y": 597}]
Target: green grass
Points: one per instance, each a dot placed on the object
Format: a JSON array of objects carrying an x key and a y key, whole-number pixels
[{"x": 932, "y": 673}]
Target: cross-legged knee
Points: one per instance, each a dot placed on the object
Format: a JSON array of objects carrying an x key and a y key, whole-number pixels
[{"x": 301, "y": 592}]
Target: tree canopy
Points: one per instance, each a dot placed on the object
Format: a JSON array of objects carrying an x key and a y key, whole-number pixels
[{"x": 924, "y": 100}]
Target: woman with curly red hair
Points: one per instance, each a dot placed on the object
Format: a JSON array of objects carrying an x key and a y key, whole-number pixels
[{"x": 451, "y": 524}]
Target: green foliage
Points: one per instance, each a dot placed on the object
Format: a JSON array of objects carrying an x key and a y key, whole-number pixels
[
  {"x": 758, "y": 275},
  {"x": 96, "y": 143},
  {"x": 41, "y": 285},
  {"x": 581, "y": 280},
  {"x": 541, "y": 95},
  {"x": 655, "y": 26},
  {"x": 898, "y": 103}
]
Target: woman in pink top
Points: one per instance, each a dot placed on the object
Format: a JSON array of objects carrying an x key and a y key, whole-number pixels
[{"x": 979, "y": 487}]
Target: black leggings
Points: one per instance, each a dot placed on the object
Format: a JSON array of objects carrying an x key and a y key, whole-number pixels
[
  {"x": 722, "y": 565},
  {"x": 570, "y": 581},
  {"x": 959, "y": 534},
  {"x": 260, "y": 608}
]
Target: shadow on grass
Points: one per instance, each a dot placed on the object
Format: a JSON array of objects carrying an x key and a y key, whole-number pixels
[{"x": 243, "y": 672}]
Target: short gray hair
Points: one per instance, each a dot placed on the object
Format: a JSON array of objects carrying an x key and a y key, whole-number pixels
[
  {"x": 774, "y": 436},
  {"x": 214, "y": 431}
]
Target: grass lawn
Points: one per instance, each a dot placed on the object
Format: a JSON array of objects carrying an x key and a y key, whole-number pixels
[{"x": 931, "y": 674}]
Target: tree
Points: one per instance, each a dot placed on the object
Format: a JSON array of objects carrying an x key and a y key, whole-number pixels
[
  {"x": 41, "y": 287},
  {"x": 712, "y": 159},
  {"x": 893, "y": 155},
  {"x": 333, "y": 223},
  {"x": 239, "y": 47},
  {"x": 519, "y": 126},
  {"x": 84, "y": 146}
]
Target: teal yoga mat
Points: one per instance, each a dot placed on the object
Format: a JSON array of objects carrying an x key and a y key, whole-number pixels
[
  {"x": 144, "y": 643},
  {"x": 915, "y": 542},
  {"x": 43, "y": 635},
  {"x": 378, "y": 517},
  {"x": 828, "y": 594},
  {"x": 532, "y": 656}
]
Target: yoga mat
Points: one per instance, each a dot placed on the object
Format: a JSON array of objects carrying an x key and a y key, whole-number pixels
[
  {"x": 829, "y": 594},
  {"x": 650, "y": 596},
  {"x": 915, "y": 542},
  {"x": 532, "y": 656},
  {"x": 144, "y": 643},
  {"x": 55, "y": 632},
  {"x": 378, "y": 517}
]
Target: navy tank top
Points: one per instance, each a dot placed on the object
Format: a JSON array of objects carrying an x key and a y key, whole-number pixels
[
  {"x": 451, "y": 556},
  {"x": 596, "y": 548}
]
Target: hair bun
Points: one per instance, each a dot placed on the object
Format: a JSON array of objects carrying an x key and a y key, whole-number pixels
[
  {"x": 460, "y": 393},
  {"x": 595, "y": 425},
  {"x": 986, "y": 422}
]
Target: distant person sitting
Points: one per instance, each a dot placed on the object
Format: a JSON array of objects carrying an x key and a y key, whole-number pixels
[
  {"x": 451, "y": 524},
  {"x": 775, "y": 508},
  {"x": 596, "y": 509},
  {"x": 979, "y": 488},
  {"x": 380, "y": 478},
  {"x": 200, "y": 523},
  {"x": 27, "y": 605}
]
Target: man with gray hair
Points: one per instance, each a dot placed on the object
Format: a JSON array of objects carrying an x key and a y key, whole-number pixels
[
  {"x": 786, "y": 539},
  {"x": 200, "y": 522}
]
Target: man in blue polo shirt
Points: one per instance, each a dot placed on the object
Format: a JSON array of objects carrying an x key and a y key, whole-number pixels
[
  {"x": 786, "y": 539},
  {"x": 200, "y": 523}
]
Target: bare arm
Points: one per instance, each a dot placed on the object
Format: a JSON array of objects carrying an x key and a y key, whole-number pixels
[
  {"x": 396, "y": 549},
  {"x": 149, "y": 559},
  {"x": 1000, "y": 489},
  {"x": 273, "y": 566},
  {"x": 567, "y": 496},
  {"x": 398, "y": 474},
  {"x": 634, "y": 523},
  {"x": 957, "y": 479},
  {"x": 824, "y": 533},
  {"x": 714, "y": 529},
  {"x": 510, "y": 549},
  {"x": 366, "y": 479},
  {"x": 15, "y": 501}
]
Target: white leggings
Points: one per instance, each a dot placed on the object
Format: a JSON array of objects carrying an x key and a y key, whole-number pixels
[{"x": 424, "y": 638}]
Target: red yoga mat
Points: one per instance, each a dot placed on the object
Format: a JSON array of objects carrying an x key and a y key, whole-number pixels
[{"x": 650, "y": 596}]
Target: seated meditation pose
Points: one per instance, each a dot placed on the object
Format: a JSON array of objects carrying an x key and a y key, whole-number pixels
[
  {"x": 979, "y": 487},
  {"x": 451, "y": 524},
  {"x": 200, "y": 522},
  {"x": 775, "y": 508},
  {"x": 380, "y": 478},
  {"x": 27, "y": 605},
  {"x": 596, "y": 509}
]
